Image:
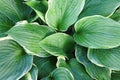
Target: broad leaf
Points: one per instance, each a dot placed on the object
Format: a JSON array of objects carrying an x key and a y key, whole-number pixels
[
  {"x": 97, "y": 32},
  {"x": 76, "y": 69},
  {"x": 99, "y": 7},
  {"x": 45, "y": 65},
  {"x": 96, "y": 72},
  {"x": 12, "y": 11},
  {"x": 28, "y": 35},
  {"x": 16, "y": 10},
  {"x": 5, "y": 23},
  {"x": 14, "y": 62},
  {"x": 115, "y": 75},
  {"x": 106, "y": 57},
  {"x": 40, "y": 7},
  {"x": 61, "y": 74},
  {"x": 58, "y": 44},
  {"x": 32, "y": 74},
  {"x": 63, "y": 13}
]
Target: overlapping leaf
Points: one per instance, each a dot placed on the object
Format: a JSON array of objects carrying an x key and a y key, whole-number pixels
[
  {"x": 12, "y": 11},
  {"x": 97, "y": 32},
  {"x": 63, "y": 13},
  {"x": 28, "y": 35},
  {"x": 99, "y": 7},
  {"x": 14, "y": 62},
  {"x": 77, "y": 70},
  {"x": 96, "y": 72},
  {"x": 15, "y": 10},
  {"x": 106, "y": 57},
  {"x": 5, "y": 24},
  {"x": 61, "y": 74},
  {"x": 40, "y": 7},
  {"x": 116, "y": 15},
  {"x": 115, "y": 75},
  {"x": 32, "y": 74},
  {"x": 45, "y": 65},
  {"x": 58, "y": 44}
]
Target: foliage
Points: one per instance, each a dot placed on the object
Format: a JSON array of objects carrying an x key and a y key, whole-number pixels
[{"x": 59, "y": 39}]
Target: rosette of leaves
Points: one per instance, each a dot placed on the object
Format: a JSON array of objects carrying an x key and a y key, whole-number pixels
[{"x": 59, "y": 40}]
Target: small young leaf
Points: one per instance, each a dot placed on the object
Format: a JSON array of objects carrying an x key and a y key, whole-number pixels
[
  {"x": 97, "y": 32},
  {"x": 63, "y": 13},
  {"x": 96, "y": 72},
  {"x": 58, "y": 44},
  {"x": 61, "y": 74},
  {"x": 106, "y": 57},
  {"x": 99, "y": 7},
  {"x": 14, "y": 62},
  {"x": 28, "y": 35}
]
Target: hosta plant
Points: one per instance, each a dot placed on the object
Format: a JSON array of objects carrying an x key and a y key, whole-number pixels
[{"x": 59, "y": 40}]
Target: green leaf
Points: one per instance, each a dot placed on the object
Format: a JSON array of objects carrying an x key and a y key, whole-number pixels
[
  {"x": 28, "y": 35},
  {"x": 61, "y": 74},
  {"x": 40, "y": 7},
  {"x": 5, "y": 23},
  {"x": 32, "y": 74},
  {"x": 106, "y": 57},
  {"x": 63, "y": 13},
  {"x": 115, "y": 75},
  {"x": 15, "y": 10},
  {"x": 12, "y": 11},
  {"x": 116, "y": 15},
  {"x": 46, "y": 78},
  {"x": 14, "y": 62},
  {"x": 99, "y": 7},
  {"x": 58, "y": 44},
  {"x": 96, "y": 72},
  {"x": 45, "y": 65},
  {"x": 97, "y": 32},
  {"x": 76, "y": 69}
]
